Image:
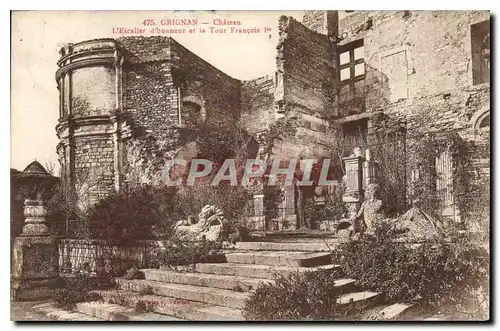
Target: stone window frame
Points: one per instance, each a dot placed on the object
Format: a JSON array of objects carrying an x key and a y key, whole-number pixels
[
  {"x": 350, "y": 47},
  {"x": 471, "y": 71},
  {"x": 478, "y": 118},
  {"x": 350, "y": 83}
]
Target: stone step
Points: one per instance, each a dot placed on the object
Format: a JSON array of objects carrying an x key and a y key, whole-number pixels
[
  {"x": 280, "y": 258},
  {"x": 215, "y": 296},
  {"x": 396, "y": 311},
  {"x": 329, "y": 240},
  {"x": 113, "y": 312},
  {"x": 236, "y": 283},
  {"x": 255, "y": 270},
  {"x": 345, "y": 285},
  {"x": 51, "y": 311},
  {"x": 243, "y": 284},
  {"x": 180, "y": 308},
  {"x": 359, "y": 299},
  {"x": 297, "y": 234},
  {"x": 319, "y": 246}
]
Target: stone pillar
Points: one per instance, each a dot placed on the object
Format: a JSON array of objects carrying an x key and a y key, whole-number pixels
[
  {"x": 35, "y": 256},
  {"x": 353, "y": 195},
  {"x": 259, "y": 218},
  {"x": 370, "y": 169},
  {"x": 289, "y": 216},
  {"x": 117, "y": 169}
]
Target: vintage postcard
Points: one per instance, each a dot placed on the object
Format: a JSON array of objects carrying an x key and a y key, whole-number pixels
[{"x": 327, "y": 165}]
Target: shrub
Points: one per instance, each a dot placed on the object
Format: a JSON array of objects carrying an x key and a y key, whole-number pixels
[
  {"x": 134, "y": 273},
  {"x": 230, "y": 199},
  {"x": 188, "y": 253},
  {"x": 300, "y": 296},
  {"x": 237, "y": 231},
  {"x": 437, "y": 273},
  {"x": 143, "y": 307},
  {"x": 148, "y": 290},
  {"x": 333, "y": 209},
  {"x": 140, "y": 214},
  {"x": 78, "y": 289}
]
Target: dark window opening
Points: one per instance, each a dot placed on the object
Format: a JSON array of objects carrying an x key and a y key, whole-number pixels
[
  {"x": 485, "y": 123},
  {"x": 354, "y": 134},
  {"x": 480, "y": 47},
  {"x": 191, "y": 114}
]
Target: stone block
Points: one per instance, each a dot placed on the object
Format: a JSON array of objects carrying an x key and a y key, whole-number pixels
[{"x": 34, "y": 267}]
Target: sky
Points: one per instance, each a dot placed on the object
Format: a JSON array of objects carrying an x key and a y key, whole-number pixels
[{"x": 38, "y": 35}]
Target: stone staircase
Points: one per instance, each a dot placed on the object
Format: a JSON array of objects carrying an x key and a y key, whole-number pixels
[{"x": 217, "y": 291}]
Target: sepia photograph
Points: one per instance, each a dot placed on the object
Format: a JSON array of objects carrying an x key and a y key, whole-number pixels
[{"x": 314, "y": 165}]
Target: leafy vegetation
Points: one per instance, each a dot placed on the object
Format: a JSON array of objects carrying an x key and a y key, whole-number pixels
[
  {"x": 140, "y": 214},
  {"x": 134, "y": 273},
  {"x": 178, "y": 253},
  {"x": 300, "y": 296},
  {"x": 73, "y": 290},
  {"x": 435, "y": 273}
]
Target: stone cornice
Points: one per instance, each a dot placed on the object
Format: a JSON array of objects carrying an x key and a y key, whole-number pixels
[{"x": 85, "y": 63}]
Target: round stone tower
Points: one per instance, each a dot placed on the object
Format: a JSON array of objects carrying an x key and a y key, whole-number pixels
[{"x": 89, "y": 80}]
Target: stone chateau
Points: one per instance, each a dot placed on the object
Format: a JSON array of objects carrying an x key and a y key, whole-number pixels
[{"x": 338, "y": 74}]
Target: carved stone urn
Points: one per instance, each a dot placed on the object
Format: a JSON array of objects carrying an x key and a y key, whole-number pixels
[{"x": 35, "y": 253}]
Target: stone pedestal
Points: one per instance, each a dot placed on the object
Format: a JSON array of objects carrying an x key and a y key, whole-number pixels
[
  {"x": 353, "y": 195},
  {"x": 35, "y": 267},
  {"x": 258, "y": 221},
  {"x": 35, "y": 256}
]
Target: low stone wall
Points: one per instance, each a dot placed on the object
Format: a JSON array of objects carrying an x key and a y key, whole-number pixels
[{"x": 96, "y": 257}]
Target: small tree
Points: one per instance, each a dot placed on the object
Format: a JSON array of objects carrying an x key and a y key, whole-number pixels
[{"x": 70, "y": 202}]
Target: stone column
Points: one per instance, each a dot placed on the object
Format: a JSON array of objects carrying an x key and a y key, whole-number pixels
[{"x": 353, "y": 195}]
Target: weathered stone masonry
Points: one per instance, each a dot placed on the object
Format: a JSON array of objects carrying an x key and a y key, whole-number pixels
[
  {"x": 334, "y": 71},
  {"x": 131, "y": 87}
]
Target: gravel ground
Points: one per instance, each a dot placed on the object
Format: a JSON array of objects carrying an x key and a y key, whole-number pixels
[{"x": 23, "y": 311}]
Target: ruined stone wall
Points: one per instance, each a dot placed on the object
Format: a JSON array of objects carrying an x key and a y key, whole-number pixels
[
  {"x": 416, "y": 62},
  {"x": 257, "y": 103},
  {"x": 151, "y": 99},
  {"x": 94, "y": 167},
  {"x": 418, "y": 69},
  {"x": 217, "y": 93},
  {"x": 305, "y": 87},
  {"x": 162, "y": 81},
  {"x": 324, "y": 22}
]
